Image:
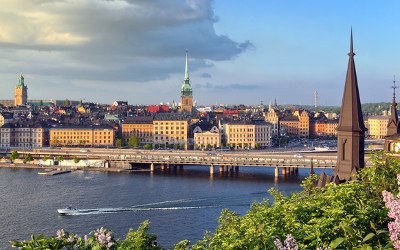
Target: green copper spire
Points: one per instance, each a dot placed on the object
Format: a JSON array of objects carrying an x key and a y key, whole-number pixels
[
  {"x": 186, "y": 67},
  {"x": 186, "y": 89}
]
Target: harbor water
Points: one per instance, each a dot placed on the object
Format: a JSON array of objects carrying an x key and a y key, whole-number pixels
[{"x": 180, "y": 204}]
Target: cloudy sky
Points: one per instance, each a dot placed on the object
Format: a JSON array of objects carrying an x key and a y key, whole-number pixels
[{"x": 239, "y": 51}]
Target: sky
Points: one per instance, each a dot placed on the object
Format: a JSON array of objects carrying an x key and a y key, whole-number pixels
[{"x": 240, "y": 52}]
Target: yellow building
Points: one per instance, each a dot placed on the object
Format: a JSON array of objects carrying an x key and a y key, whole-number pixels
[
  {"x": 21, "y": 93},
  {"x": 304, "y": 123},
  {"x": 377, "y": 126},
  {"x": 207, "y": 139},
  {"x": 82, "y": 136},
  {"x": 171, "y": 129},
  {"x": 140, "y": 126},
  {"x": 272, "y": 116},
  {"x": 248, "y": 134}
]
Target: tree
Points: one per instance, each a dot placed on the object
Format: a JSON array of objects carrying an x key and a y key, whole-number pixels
[
  {"x": 59, "y": 158},
  {"x": 28, "y": 158},
  {"x": 45, "y": 158},
  {"x": 14, "y": 155},
  {"x": 76, "y": 160},
  {"x": 147, "y": 146},
  {"x": 133, "y": 141},
  {"x": 118, "y": 142},
  {"x": 41, "y": 103}
]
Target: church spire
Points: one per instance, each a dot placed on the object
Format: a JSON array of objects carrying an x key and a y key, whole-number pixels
[
  {"x": 186, "y": 67},
  {"x": 393, "y": 125},
  {"x": 351, "y": 129}
]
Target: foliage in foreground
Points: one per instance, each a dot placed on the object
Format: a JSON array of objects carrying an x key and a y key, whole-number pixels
[{"x": 347, "y": 216}]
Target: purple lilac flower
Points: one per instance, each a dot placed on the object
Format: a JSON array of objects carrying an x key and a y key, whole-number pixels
[{"x": 393, "y": 204}]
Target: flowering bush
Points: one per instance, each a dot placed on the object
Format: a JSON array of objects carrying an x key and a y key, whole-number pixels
[{"x": 393, "y": 204}]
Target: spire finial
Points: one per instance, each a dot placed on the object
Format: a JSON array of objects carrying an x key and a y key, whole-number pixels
[
  {"x": 394, "y": 87},
  {"x": 351, "y": 53},
  {"x": 186, "y": 66}
]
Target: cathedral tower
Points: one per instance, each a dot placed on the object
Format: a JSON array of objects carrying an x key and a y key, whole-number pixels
[
  {"x": 21, "y": 92},
  {"x": 186, "y": 91},
  {"x": 351, "y": 129}
]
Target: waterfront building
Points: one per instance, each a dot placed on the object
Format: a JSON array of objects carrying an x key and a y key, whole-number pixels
[
  {"x": 378, "y": 126},
  {"x": 21, "y": 92},
  {"x": 139, "y": 126},
  {"x": 171, "y": 129},
  {"x": 351, "y": 129},
  {"x": 24, "y": 135},
  {"x": 186, "y": 91},
  {"x": 97, "y": 136},
  {"x": 248, "y": 134},
  {"x": 207, "y": 139}
]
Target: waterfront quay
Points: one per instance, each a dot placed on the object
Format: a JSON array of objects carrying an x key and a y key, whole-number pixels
[{"x": 285, "y": 163}]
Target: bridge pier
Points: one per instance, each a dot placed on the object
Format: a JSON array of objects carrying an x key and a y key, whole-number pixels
[
  {"x": 152, "y": 167},
  {"x": 237, "y": 169},
  {"x": 162, "y": 166},
  {"x": 180, "y": 167},
  {"x": 211, "y": 169},
  {"x": 276, "y": 172},
  {"x": 221, "y": 168}
]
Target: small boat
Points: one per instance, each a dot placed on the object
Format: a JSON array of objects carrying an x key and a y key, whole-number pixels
[{"x": 67, "y": 210}]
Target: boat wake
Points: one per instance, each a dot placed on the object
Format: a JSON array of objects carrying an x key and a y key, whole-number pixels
[{"x": 155, "y": 206}]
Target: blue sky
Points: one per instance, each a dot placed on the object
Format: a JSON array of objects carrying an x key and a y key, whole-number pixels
[{"x": 241, "y": 52}]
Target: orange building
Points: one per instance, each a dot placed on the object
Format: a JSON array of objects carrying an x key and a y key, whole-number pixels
[
  {"x": 82, "y": 136},
  {"x": 141, "y": 127}
]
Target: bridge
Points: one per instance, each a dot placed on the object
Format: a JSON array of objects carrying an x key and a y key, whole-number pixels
[{"x": 286, "y": 162}]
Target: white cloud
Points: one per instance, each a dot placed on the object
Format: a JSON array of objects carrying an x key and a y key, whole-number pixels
[{"x": 109, "y": 40}]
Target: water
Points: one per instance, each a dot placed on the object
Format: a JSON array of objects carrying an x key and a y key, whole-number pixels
[{"x": 180, "y": 204}]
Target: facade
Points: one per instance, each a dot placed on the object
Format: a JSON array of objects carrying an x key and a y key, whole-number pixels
[
  {"x": 205, "y": 139},
  {"x": 141, "y": 127},
  {"x": 248, "y": 134},
  {"x": 304, "y": 123},
  {"x": 272, "y": 117},
  {"x": 21, "y": 93},
  {"x": 98, "y": 136},
  {"x": 186, "y": 91},
  {"x": 377, "y": 126},
  {"x": 23, "y": 136},
  {"x": 171, "y": 129},
  {"x": 290, "y": 125}
]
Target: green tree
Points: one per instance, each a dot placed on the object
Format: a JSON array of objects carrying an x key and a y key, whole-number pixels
[
  {"x": 147, "y": 146},
  {"x": 28, "y": 158},
  {"x": 133, "y": 141},
  {"x": 59, "y": 158},
  {"x": 45, "y": 158},
  {"x": 14, "y": 155},
  {"x": 77, "y": 159},
  {"x": 118, "y": 142}
]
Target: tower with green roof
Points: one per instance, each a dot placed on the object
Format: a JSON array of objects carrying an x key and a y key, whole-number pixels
[
  {"x": 186, "y": 91},
  {"x": 21, "y": 92}
]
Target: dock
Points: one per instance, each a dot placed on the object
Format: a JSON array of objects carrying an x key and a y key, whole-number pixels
[{"x": 54, "y": 172}]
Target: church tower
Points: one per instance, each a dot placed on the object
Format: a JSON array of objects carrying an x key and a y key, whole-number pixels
[
  {"x": 393, "y": 126},
  {"x": 21, "y": 92},
  {"x": 351, "y": 129},
  {"x": 186, "y": 91}
]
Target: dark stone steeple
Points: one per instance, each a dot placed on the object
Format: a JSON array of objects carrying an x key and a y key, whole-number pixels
[
  {"x": 351, "y": 129},
  {"x": 393, "y": 125}
]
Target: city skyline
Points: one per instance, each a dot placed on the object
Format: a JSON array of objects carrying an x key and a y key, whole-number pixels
[{"x": 239, "y": 53}]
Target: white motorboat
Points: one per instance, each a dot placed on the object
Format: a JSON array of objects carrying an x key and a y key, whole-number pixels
[{"x": 66, "y": 211}]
